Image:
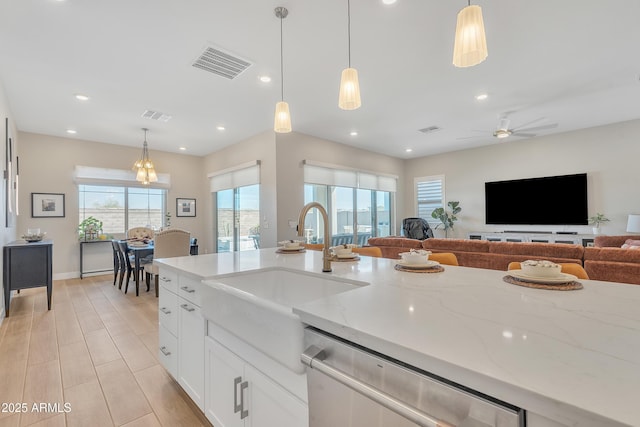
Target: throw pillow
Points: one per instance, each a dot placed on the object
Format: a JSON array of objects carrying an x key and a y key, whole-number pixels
[{"x": 631, "y": 244}]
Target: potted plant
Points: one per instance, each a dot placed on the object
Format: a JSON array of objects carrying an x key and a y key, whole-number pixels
[
  {"x": 447, "y": 218},
  {"x": 90, "y": 228},
  {"x": 596, "y": 220}
]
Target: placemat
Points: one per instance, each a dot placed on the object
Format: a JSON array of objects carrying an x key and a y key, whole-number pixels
[
  {"x": 282, "y": 251},
  {"x": 336, "y": 259},
  {"x": 434, "y": 269},
  {"x": 569, "y": 286}
]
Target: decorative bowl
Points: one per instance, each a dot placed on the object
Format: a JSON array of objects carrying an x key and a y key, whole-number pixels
[
  {"x": 540, "y": 268},
  {"x": 291, "y": 244},
  {"x": 33, "y": 237},
  {"x": 415, "y": 257},
  {"x": 343, "y": 250}
]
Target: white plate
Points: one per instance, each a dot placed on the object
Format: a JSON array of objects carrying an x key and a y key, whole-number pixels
[
  {"x": 351, "y": 255},
  {"x": 299, "y": 248},
  {"x": 427, "y": 264},
  {"x": 560, "y": 278}
]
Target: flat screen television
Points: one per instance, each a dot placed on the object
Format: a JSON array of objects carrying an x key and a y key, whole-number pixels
[{"x": 550, "y": 200}]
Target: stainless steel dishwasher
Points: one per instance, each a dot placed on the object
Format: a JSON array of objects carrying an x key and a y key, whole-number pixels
[{"x": 350, "y": 386}]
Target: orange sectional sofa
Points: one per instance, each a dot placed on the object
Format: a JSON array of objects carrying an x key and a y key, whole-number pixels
[
  {"x": 608, "y": 261},
  {"x": 605, "y": 261}
]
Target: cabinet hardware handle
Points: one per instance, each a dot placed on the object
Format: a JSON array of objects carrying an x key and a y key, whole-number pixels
[
  {"x": 165, "y": 310},
  {"x": 236, "y": 408},
  {"x": 244, "y": 413},
  {"x": 314, "y": 357},
  {"x": 164, "y": 279},
  {"x": 187, "y": 289},
  {"x": 186, "y": 307},
  {"x": 164, "y": 351}
]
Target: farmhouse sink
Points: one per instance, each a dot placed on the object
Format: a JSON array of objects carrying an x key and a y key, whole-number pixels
[{"x": 256, "y": 306}]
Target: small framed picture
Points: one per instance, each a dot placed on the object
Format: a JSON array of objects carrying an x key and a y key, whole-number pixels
[
  {"x": 185, "y": 207},
  {"x": 47, "y": 205}
]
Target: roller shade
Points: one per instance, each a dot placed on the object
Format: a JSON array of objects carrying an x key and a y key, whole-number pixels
[
  {"x": 88, "y": 175},
  {"x": 328, "y": 175},
  {"x": 238, "y": 176}
]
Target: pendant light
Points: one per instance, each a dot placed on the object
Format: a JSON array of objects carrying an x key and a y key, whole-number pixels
[
  {"x": 282, "y": 119},
  {"x": 470, "y": 46},
  {"x": 146, "y": 172},
  {"x": 349, "y": 97}
]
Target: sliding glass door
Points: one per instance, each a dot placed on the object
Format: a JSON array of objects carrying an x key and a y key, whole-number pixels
[{"x": 238, "y": 218}]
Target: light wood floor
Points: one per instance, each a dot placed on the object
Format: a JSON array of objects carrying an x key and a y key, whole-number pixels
[{"x": 96, "y": 350}]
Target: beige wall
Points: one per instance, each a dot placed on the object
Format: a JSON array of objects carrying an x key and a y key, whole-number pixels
[
  {"x": 7, "y": 234},
  {"x": 47, "y": 165},
  {"x": 608, "y": 154}
]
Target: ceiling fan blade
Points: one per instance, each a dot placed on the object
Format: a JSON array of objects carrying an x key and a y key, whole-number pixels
[
  {"x": 524, "y": 125},
  {"x": 537, "y": 128},
  {"x": 525, "y": 135}
]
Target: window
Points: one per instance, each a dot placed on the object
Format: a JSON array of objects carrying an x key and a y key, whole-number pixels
[
  {"x": 429, "y": 195},
  {"x": 121, "y": 208}
]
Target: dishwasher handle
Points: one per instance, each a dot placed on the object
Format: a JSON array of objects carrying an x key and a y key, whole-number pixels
[{"x": 313, "y": 357}]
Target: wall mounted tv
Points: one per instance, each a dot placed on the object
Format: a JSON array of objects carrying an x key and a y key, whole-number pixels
[{"x": 550, "y": 200}]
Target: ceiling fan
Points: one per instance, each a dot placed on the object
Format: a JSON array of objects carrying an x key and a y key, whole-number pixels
[{"x": 503, "y": 130}]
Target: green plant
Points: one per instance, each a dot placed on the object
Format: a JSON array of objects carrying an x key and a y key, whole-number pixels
[
  {"x": 598, "y": 219},
  {"x": 447, "y": 218},
  {"x": 89, "y": 228}
]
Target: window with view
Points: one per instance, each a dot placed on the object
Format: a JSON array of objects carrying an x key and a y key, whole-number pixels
[{"x": 121, "y": 208}]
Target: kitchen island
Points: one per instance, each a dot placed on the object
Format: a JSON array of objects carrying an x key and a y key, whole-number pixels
[{"x": 566, "y": 357}]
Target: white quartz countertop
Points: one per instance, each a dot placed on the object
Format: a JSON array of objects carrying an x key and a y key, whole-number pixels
[{"x": 571, "y": 356}]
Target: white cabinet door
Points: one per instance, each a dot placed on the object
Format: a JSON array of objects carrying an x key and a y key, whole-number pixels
[
  {"x": 168, "y": 310},
  {"x": 272, "y": 405},
  {"x": 168, "y": 351},
  {"x": 222, "y": 371},
  {"x": 191, "y": 336}
]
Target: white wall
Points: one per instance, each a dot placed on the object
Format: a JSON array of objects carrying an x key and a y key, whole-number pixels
[
  {"x": 608, "y": 154},
  {"x": 47, "y": 165},
  {"x": 7, "y": 234}
]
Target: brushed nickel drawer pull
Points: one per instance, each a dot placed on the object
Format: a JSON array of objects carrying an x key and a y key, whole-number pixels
[
  {"x": 164, "y": 351},
  {"x": 186, "y": 307}
]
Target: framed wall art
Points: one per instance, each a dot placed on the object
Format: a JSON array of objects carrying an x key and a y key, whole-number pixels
[
  {"x": 47, "y": 205},
  {"x": 185, "y": 207}
]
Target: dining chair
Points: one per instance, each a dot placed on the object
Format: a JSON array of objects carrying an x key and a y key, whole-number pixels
[
  {"x": 129, "y": 269},
  {"x": 314, "y": 246},
  {"x": 446, "y": 258},
  {"x": 116, "y": 260},
  {"x": 565, "y": 267},
  {"x": 372, "y": 251},
  {"x": 140, "y": 233},
  {"x": 168, "y": 244}
]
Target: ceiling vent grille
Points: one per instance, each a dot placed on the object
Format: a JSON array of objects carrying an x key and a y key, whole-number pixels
[
  {"x": 430, "y": 129},
  {"x": 156, "y": 115},
  {"x": 221, "y": 63}
]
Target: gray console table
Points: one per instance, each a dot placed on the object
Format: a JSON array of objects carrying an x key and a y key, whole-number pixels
[{"x": 27, "y": 265}]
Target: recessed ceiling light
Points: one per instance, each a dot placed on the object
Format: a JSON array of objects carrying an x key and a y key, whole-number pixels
[
  {"x": 408, "y": 150},
  {"x": 182, "y": 148},
  {"x": 482, "y": 96},
  {"x": 265, "y": 79},
  {"x": 81, "y": 97},
  {"x": 354, "y": 133},
  {"x": 220, "y": 128},
  {"x": 72, "y": 131},
  {"x": 389, "y": 1}
]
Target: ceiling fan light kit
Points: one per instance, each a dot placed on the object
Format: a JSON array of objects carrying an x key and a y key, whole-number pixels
[{"x": 470, "y": 45}]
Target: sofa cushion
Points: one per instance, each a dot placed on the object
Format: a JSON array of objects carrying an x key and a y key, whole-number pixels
[
  {"x": 612, "y": 241},
  {"x": 612, "y": 254},
  {"x": 456, "y": 245},
  {"x": 552, "y": 250},
  {"x": 611, "y": 271},
  {"x": 394, "y": 241}
]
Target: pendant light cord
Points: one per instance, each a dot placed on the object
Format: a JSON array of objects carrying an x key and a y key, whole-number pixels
[
  {"x": 349, "y": 28},
  {"x": 281, "y": 63}
]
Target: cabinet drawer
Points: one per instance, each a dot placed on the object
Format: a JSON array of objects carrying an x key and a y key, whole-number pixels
[
  {"x": 168, "y": 280},
  {"x": 168, "y": 310},
  {"x": 191, "y": 290},
  {"x": 168, "y": 351}
]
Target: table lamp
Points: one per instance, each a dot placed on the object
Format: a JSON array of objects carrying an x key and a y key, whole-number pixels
[{"x": 633, "y": 223}]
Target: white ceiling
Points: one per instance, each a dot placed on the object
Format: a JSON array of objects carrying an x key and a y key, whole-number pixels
[{"x": 575, "y": 63}]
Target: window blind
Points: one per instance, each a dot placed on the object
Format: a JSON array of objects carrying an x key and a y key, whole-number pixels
[
  {"x": 89, "y": 175},
  {"x": 429, "y": 195},
  {"x": 237, "y": 176},
  {"x": 329, "y": 175}
]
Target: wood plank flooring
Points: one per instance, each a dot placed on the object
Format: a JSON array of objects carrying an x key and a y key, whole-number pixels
[{"x": 96, "y": 351}]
